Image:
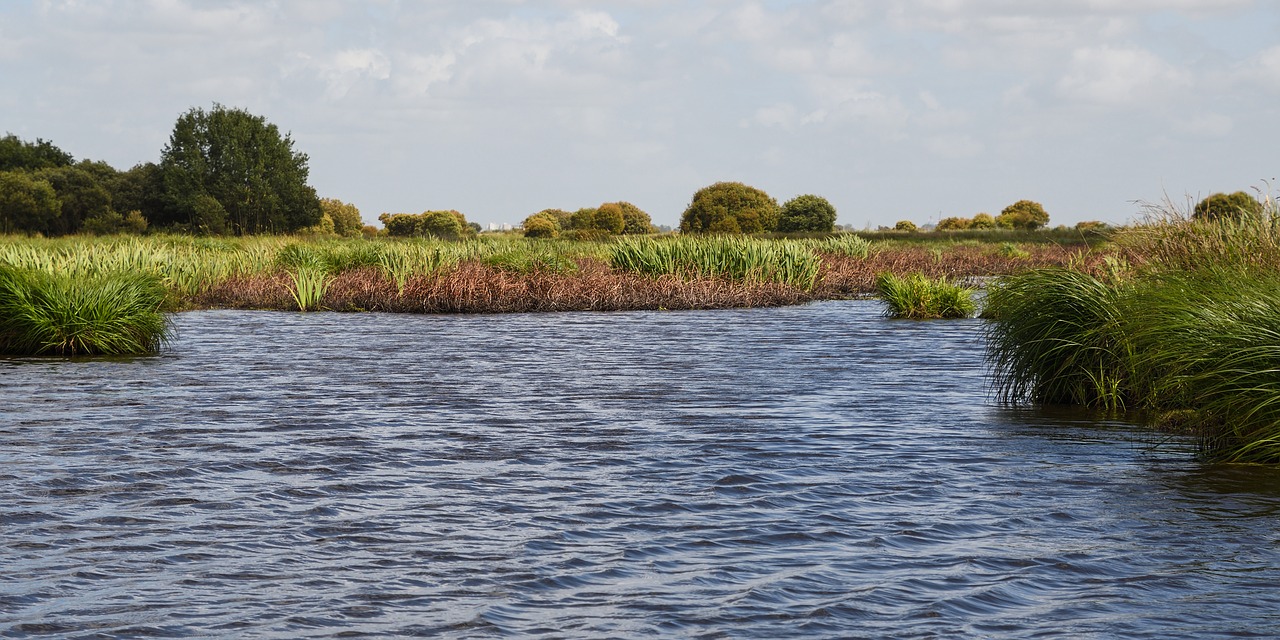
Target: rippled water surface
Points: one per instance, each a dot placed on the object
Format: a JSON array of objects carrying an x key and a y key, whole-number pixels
[{"x": 812, "y": 471}]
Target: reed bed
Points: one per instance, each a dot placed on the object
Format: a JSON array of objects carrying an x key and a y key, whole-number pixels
[
  {"x": 71, "y": 315},
  {"x": 738, "y": 258},
  {"x": 1186, "y": 328}
]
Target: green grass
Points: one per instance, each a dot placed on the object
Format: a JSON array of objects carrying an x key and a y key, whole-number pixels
[
  {"x": 67, "y": 315},
  {"x": 739, "y": 258},
  {"x": 915, "y": 297}
]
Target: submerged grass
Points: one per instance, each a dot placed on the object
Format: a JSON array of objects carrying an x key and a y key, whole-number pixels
[
  {"x": 46, "y": 314},
  {"x": 916, "y": 297}
]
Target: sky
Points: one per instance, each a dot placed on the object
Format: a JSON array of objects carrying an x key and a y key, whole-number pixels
[{"x": 892, "y": 110}]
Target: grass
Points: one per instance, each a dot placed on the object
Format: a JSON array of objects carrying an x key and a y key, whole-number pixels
[
  {"x": 67, "y": 315},
  {"x": 916, "y": 297},
  {"x": 1186, "y": 328},
  {"x": 738, "y": 258}
]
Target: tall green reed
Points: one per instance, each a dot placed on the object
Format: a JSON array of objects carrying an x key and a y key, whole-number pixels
[
  {"x": 913, "y": 296},
  {"x": 739, "y": 258}
]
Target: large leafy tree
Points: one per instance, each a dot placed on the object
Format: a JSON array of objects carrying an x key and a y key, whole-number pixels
[
  {"x": 81, "y": 193},
  {"x": 730, "y": 207},
  {"x": 346, "y": 217},
  {"x": 27, "y": 204},
  {"x": 807, "y": 213},
  {"x": 229, "y": 171},
  {"x": 1023, "y": 214},
  {"x": 16, "y": 153}
]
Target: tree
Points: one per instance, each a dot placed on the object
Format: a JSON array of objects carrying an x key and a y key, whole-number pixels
[
  {"x": 16, "y": 154},
  {"x": 1023, "y": 214},
  {"x": 634, "y": 220},
  {"x": 610, "y": 219},
  {"x": 540, "y": 226},
  {"x": 1223, "y": 206},
  {"x": 954, "y": 224},
  {"x": 807, "y": 213},
  {"x": 447, "y": 225},
  {"x": 242, "y": 163},
  {"x": 27, "y": 204},
  {"x": 346, "y": 217},
  {"x": 983, "y": 221},
  {"x": 905, "y": 225},
  {"x": 400, "y": 225},
  {"x": 583, "y": 219},
  {"x": 730, "y": 207},
  {"x": 81, "y": 195}
]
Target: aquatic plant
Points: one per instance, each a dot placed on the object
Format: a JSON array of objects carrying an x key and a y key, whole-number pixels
[
  {"x": 845, "y": 244},
  {"x": 914, "y": 296},
  {"x": 1057, "y": 339},
  {"x": 46, "y": 314}
]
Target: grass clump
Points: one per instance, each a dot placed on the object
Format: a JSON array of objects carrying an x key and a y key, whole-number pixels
[
  {"x": 67, "y": 315},
  {"x": 916, "y": 297}
]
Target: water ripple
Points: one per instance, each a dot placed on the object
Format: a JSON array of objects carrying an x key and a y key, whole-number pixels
[{"x": 814, "y": 471}]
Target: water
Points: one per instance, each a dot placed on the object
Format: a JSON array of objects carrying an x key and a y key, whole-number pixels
[{"x": 812, "y": 471}]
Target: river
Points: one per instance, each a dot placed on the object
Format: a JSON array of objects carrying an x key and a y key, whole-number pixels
[{"x": 814, "y": 471}]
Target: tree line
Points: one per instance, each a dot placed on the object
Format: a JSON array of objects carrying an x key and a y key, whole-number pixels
[{"x": 223, "y": 172}]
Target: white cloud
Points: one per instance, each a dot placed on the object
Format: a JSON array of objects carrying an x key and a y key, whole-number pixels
[{"x": 1121, "y": 76}]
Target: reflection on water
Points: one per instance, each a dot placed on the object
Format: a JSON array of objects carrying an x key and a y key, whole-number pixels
[{"x": 812, "y": 471}]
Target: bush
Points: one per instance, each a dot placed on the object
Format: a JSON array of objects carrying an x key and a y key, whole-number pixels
[
  {"x": 345, "y": 217},
  {"x": 610, "y": 219},
  {"x": 807, "y": 213},
  {"x": 112, "y": 222},
  {"x": 982, "y": 221},
  {"x": 916, "y": 297},
  {"x": 68, "y": 314},
  {"x": 954, "y": 224},
  {"x": 1023, "y": 214},
  {"x": 635, "y": 221},
  {"x": 446, "y": 225},
  {"x": 540, "y": 226},
  {"x": 1221, "y": 206},
  {"x": 905, "y": 225},
  {"x": 584, "y": 219},
  {"x": 730, "y": 207}
]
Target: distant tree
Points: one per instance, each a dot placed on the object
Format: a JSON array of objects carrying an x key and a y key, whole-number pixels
[
  {"x": 1023, "y": 214},
  {"x": 16, "y": 154},
  {"x": 1092, "y": 225},
  {"x": 139, "y": 189},
  {"x": 402, "y": 225},
  {"x": 540, "y": 226},
  {"x": 583, "y": 219},
  {"x": 113, "y": 222},
  {"x": 81, "y": 195},
  {"x": 610, "y": 218},
  {"x": 27, "y": 204},
  {"x": 807, "y": 213},
  {"x": 345, "y": 217},
  {"x": 730, "y": 207},
  {"x": 242, "y": 163},
  {"x": 1227, "y": 206},
  {"x": 475, "y": 227},
  {"x": 905, "y": 225},
  {"x": 954, "y": 224},
  {"x": 447, "y": 225},
  {"x": 634, "y": 220},
  {"x": 983, "y": 221}
]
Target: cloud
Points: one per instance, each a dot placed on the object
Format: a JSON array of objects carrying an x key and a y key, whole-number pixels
[{"x": 1121, "y": 76}]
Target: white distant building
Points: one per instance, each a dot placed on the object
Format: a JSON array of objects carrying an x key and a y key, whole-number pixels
[{"x": 501, "y": 226}]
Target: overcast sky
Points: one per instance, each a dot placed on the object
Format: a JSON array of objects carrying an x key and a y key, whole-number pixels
[{"x": 903, "y": 109}]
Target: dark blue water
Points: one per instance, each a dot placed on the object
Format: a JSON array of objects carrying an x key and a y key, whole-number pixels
[{"x": 813, "y": 471}]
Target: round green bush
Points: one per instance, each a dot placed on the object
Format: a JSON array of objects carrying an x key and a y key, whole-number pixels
[
  {"x": 635, "y": 220},
  {"x": 807, "y": 213},
  {"x": 983, "y": 221},
  {"x": 540, "y": 226},
  {"x": 440, "y": 224},
  {"x": 1224, "y": 206},
  {"x": 730, "y": 207},
  {"x": 905, "y": 225},
  {"x": 1023, "y": 214},
  {"x": 954, "y": 224},
  {"x": 609, "y": 218}
]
